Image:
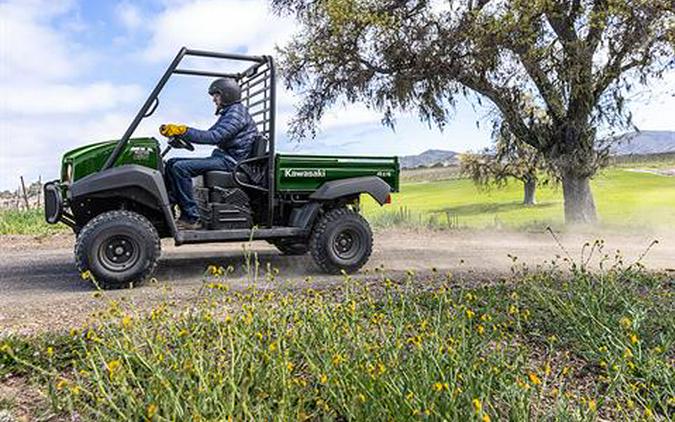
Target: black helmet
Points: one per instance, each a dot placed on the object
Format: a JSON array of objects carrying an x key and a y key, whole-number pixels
[{"x": 228, "y": 89}]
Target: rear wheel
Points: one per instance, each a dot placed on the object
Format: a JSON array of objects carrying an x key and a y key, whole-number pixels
[
  {"x": 118, "y": 248},
  {"x": 341, "y": 241}
]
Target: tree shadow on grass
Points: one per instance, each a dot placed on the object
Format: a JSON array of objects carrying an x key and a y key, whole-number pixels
[{"x": 475, "y": 209}]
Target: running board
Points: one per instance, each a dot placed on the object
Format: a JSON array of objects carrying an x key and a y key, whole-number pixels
[{"x": 184, "y": 237}]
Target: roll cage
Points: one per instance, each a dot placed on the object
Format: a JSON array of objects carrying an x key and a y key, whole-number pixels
[{"x": 258, "y": 85}]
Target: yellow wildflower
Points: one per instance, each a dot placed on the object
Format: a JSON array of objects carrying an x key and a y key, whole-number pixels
[
  {"x": 534, "y": 379},
  {"x": 627, "y": 353},
  {"x": 415, "y": 341},
  {"x": 592, "y": 406},
  {"x": 361, "y": 398},
  {"x": 648, "y": 413},
  {"x": 113, "y": 366},
  {"x": 485, "y": 418},
  {"x": 480, "y": 329},
  {"x": 151, "y": 410},
  {"x": 337, "y": 359},
  {"x": 513, "y": 309},
  {"x": 323, "y": 379},
  {"x": 50, "y": 351},
  {"x": 290, "y": 366},
  {"x": 61, "y": 384},
  {"x": 477, "y": 405},
  {"x": 440, "y": 386},
  {"x": 470, "y": 314},
  {"x": 215, "y": 270},
  {"x": 634, "y": 338},
  {"x": 126, "y": 321},
  {"x": 625, "y": 322}
]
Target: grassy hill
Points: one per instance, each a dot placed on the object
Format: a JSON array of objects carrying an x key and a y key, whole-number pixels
[{"x": 624, "y": 198}]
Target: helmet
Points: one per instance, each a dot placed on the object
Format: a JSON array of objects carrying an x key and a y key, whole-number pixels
[{"x": 228, "y": 89}]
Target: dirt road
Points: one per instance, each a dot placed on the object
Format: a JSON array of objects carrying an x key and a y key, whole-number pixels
[{"x": 40, "y": 288}]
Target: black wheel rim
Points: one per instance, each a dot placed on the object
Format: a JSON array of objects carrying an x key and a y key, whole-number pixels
[
  {"x": 119, "y": 253},
  {"x": 347, "y": 244}
]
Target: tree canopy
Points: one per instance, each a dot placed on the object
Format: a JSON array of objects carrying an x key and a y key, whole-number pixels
[{"x": 555, "y": 71}]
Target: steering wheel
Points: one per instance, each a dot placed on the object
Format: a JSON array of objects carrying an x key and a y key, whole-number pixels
[{"x": 178, "y": 142}]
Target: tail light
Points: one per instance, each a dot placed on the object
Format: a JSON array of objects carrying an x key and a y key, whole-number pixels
[{"x": 388, "y": 200}]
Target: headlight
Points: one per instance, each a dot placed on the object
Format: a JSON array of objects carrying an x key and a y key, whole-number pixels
[{"x": 68, "y": 173}]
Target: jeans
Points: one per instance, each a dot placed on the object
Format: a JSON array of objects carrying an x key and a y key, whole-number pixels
[{"x": 179, "y": 174}]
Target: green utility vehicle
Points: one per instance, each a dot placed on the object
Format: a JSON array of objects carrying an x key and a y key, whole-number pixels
[{"x": 113, "y": 194}]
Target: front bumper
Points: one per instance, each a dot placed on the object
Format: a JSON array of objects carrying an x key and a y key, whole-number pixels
[
  {"x": 53, "y": 202},
  {"x": 55, "y": 206}
]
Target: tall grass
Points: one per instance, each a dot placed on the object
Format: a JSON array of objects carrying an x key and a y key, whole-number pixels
[
  {"x": 578, "y": 345},
  {"x": 30, "y": 222}
]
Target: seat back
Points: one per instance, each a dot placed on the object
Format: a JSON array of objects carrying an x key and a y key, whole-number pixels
[{"x": 259, "y": 147}]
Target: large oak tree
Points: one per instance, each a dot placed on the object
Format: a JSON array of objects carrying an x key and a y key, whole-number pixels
[{"x": 556, "y": 71}]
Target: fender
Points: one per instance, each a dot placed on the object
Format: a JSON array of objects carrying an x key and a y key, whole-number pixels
[
  {"x": 372, "y": 185},
  {"x": 137, "y": 183}
]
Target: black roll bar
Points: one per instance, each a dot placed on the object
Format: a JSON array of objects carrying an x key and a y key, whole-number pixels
[{"x": 268, "y": 124}]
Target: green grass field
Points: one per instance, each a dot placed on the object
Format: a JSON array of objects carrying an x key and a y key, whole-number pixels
[
  {"x": 438, "y": 198},
  {"x": 623, "y": 198}
]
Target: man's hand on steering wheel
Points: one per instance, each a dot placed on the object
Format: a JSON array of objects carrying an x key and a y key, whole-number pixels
[
  {"x": 174, "y": 133},
  {"x": 170, "y": 130}
]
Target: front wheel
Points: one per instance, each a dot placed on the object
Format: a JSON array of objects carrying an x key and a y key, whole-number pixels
[
  {"x": 341, "y": 241},
  {"x": 118, "y": 248}
]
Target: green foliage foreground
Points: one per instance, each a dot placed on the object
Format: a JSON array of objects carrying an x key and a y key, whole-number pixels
[{"x": 580, "y": 346}]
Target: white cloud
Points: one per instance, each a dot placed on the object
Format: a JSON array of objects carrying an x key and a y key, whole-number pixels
[
  {"x": 654, "y": 109},
  {"x": 30, "y": 49},
  {"x": 129, "y": 15},
  {"x": 46, "y": 105},
  {"x": 66, "y": 98},
  {"x": 220, "y": 25}
]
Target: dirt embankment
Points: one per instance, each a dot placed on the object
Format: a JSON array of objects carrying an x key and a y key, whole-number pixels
[{"x": 40, "y": 288}]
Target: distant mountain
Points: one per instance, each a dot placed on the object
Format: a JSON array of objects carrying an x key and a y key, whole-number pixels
[
  {"x": 645, "y": 142},
  {"x": 634, "y": 143},
  {"x": 429, "y": 158}
]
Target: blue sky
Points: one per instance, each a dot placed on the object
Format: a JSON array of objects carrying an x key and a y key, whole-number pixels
[{"x": 75, "y": 71}]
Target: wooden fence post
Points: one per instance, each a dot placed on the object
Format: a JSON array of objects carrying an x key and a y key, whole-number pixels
[
  {"x": 39, "y": 193},
  {"x": 25, "y": 197}
]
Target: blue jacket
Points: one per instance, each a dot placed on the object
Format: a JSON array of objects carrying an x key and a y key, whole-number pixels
[{"x": 234, "y": 132}]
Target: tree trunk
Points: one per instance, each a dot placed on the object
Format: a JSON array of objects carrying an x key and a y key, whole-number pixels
[
  {"x": 579, "y": 205},
  {"x": 530, "y": 189}
]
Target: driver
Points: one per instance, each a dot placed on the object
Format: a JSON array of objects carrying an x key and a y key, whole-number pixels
[{"x": 233, "y": 133}]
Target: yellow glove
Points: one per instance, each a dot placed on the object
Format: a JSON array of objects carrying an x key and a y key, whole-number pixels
[{"x": 170, "y": 130}]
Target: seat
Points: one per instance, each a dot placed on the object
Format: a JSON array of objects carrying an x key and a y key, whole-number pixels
[{"x": 225, "y": 179}]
